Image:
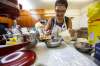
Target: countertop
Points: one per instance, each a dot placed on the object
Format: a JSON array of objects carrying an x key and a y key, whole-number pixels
[{"x": 65, "y": 55}]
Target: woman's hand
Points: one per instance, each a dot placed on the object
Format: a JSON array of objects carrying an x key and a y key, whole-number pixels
[
  {"x": 44, "y": 37},
  {"x": 73, "y": 33}
]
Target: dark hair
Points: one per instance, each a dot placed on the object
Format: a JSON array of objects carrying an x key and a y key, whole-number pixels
[
  {"x": 20, "y": 6},
  {"x": 61, "y": 2}
]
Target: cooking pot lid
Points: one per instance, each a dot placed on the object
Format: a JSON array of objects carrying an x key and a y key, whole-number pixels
[
  {"x": 19, "y": 58},
  {"x": 12, "y": 57}
]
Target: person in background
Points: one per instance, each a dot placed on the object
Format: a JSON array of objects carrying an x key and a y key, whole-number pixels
[
  {"x": 60, "y": 18},
  {"x": 25, "y": 18},
  {"x": 59, "y": 22}
]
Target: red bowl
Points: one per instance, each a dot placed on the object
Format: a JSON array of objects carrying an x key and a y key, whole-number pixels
[
  {"x": 7, "y": 49},
  {"x": 19, "y": 58}
]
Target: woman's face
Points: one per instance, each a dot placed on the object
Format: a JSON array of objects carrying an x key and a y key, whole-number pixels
[{"x": 60, "y": 11}]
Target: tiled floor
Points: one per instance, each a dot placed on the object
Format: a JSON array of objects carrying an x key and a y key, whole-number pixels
[{"x": 65, "y": 55}]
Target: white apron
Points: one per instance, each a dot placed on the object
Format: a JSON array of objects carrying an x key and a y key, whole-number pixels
[{"x": 61, "y": 32}]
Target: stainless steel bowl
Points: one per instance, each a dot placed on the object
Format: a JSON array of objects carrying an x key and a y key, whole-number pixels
[
  {"x": 52, "y": 43},
  {"x": 83, "y": 47}
]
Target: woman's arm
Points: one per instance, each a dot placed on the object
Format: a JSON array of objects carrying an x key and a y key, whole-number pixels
[
  {"x": 48, "y": 26},
  {"x": 69, "y": 24},
  {"x": 70, "y": 27}
]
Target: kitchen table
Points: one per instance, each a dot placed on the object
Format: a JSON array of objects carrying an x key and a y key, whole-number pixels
[{"x": 65, "y": 55}]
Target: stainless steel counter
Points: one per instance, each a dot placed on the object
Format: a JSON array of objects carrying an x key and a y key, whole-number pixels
[{"x": 65, "y": 55}]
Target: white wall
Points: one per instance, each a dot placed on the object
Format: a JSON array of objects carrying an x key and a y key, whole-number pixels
[
  {"x": 72, "y": 12},
  {"x": 80, "y": 18},
  {"x": 75, "y": 13},
  {"x": 76, "y": 23},
  {"x": 83, "y": 17}
]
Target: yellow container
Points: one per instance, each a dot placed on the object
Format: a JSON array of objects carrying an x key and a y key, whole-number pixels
[
  {"x": 12, "y": 41},
  {"x": 93, "y": 22}
]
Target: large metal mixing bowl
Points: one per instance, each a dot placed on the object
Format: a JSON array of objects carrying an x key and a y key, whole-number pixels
[{"x": 52, "y": 43}]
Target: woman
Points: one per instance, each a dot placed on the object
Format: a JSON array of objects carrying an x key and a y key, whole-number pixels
[
  {"x": 60, "y": 22},
  {"x": 25, "y": 19}
]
